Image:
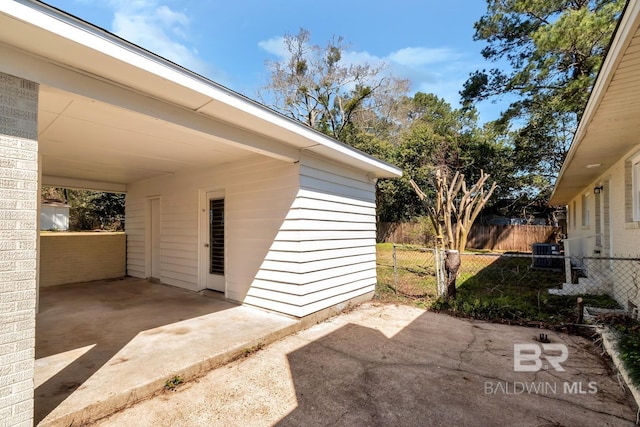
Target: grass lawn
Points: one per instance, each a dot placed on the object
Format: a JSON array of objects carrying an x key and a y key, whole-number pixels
[
  {"x": 490, "y": 286},
  {"x": 415, "y": 282}
]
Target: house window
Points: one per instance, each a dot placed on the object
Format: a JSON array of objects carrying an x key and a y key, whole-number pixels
[
  {"x": 635, "y": 187},
  {"x": 586, "y": 209}
]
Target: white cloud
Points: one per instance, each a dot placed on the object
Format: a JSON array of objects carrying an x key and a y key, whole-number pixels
[
  {"x": 439, "y": 70},
  {"x": 275, "y": 46},
  {"x": 362, "y": 57},
  {"x": 158, "y": 28},
  {"x": 419, "y": 56}
]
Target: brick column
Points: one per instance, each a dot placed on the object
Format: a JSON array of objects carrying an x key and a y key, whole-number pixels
[{"x": 19, "y": 199}]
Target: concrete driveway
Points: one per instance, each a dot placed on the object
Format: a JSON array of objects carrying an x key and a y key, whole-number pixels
[{"x": 400, "y": 366}]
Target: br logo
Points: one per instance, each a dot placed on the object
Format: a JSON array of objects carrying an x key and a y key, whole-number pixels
[{"x": 528, "y": 357}]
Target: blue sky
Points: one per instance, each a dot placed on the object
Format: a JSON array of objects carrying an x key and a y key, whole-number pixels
[{"x": 428, "y": 42}]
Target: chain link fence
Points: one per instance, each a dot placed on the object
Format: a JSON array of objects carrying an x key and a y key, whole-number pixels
[
  {"x": 615, "y": 277},
  {"x": 516, "y": 285}
]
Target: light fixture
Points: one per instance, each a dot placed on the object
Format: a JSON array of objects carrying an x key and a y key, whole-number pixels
[
  {"x": 597, "y": 190},
  {"x": 594, "y": 165}
]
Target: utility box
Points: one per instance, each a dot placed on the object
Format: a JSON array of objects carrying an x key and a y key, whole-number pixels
[{"x": 540, "y": 261}]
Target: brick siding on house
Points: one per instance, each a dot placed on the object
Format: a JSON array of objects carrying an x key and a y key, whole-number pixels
[
  {"x": 81, "y": 257},
  {"x": 19, "y": 196}
]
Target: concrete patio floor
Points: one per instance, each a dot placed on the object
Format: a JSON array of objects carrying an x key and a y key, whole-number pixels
[
  {"x": 100, "y": 346},
  {"x": 388, "y": 365}
]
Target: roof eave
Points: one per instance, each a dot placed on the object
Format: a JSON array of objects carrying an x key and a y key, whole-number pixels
[{"x": 192, "y": 90}]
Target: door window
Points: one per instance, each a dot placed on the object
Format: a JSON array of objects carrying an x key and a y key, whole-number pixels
[{"x": 216, "y": 236}]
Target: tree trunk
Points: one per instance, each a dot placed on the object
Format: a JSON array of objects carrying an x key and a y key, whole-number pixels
[
  {"x": 451, "y": 265},
  {"x": 462, "y": 242}
]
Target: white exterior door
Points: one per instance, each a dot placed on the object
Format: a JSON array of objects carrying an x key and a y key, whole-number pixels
[
  {"x": 153, "y": 243},
  {"x": 214, "y": 243}
]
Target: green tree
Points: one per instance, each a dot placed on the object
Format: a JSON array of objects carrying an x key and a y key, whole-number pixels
[
  {"x": 548, "y": 54},
  {"x": 90, "y": 210},
  {"x": 108, "y": 209},
  {"x": 436, "y": 137}
]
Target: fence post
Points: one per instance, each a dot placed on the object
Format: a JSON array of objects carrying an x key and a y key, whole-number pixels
[
  {"x": 567, "y": 261},
  {"x": 395, "y": 270},
  {"x": 439, "y": 273}
]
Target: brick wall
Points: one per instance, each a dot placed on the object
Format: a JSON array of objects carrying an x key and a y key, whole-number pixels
[
  {"x": 81, "y": 257},
  {"x": 19, "y": 197}
]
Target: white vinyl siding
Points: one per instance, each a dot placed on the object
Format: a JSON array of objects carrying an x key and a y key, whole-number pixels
[
  {"x": 586, "y": 209},
  {"x": 324, "y": 253},
  {"x": 635, "y": 187},
  {"x": 299, "y": 237},
  {"x": 134, "y": 224},
  {"x": 624, "y": 233},
  {"x": 258, "y": 193}
]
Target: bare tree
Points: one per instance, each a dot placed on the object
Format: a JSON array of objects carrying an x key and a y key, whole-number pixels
[
  {"x": 455, "y": 207},
  {"x": 321, "y": 88},
  {"x": 452, "y": 213}
]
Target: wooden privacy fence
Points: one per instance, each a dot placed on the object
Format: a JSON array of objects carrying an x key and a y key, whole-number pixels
[
  {"x": 510, "y": 237},
  {"x": 492, "y": 237}
]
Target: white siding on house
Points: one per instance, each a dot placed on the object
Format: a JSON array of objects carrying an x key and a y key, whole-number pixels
[
  {"x": 625, "y": 233},
  {"x": 134, "y": 223},
  {"x": 258, "y": 193},
  {"x": 324, "y": 253},
  {"x": 298, "y": 237}
]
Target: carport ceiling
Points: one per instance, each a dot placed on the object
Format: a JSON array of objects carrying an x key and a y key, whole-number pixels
[{"x": 85, "y": 139}]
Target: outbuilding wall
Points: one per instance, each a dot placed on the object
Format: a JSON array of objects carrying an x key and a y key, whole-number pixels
[
  {"x": 258, "y": 194},
  {"x": 299, "y": 237},
  {"x": 324, "y": 253},
  {"x": 54, "y": 217}
]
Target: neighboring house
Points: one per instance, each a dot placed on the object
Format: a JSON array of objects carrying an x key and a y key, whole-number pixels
[
  {"x": 54, "y": 215},
  {"x": 221, "y": 192},
  {"x": 600, "y": 179}
]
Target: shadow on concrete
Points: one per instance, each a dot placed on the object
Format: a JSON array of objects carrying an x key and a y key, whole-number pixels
[
  {"x": 435, "y": 371},
  {"x": 101, "y": 318}
]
